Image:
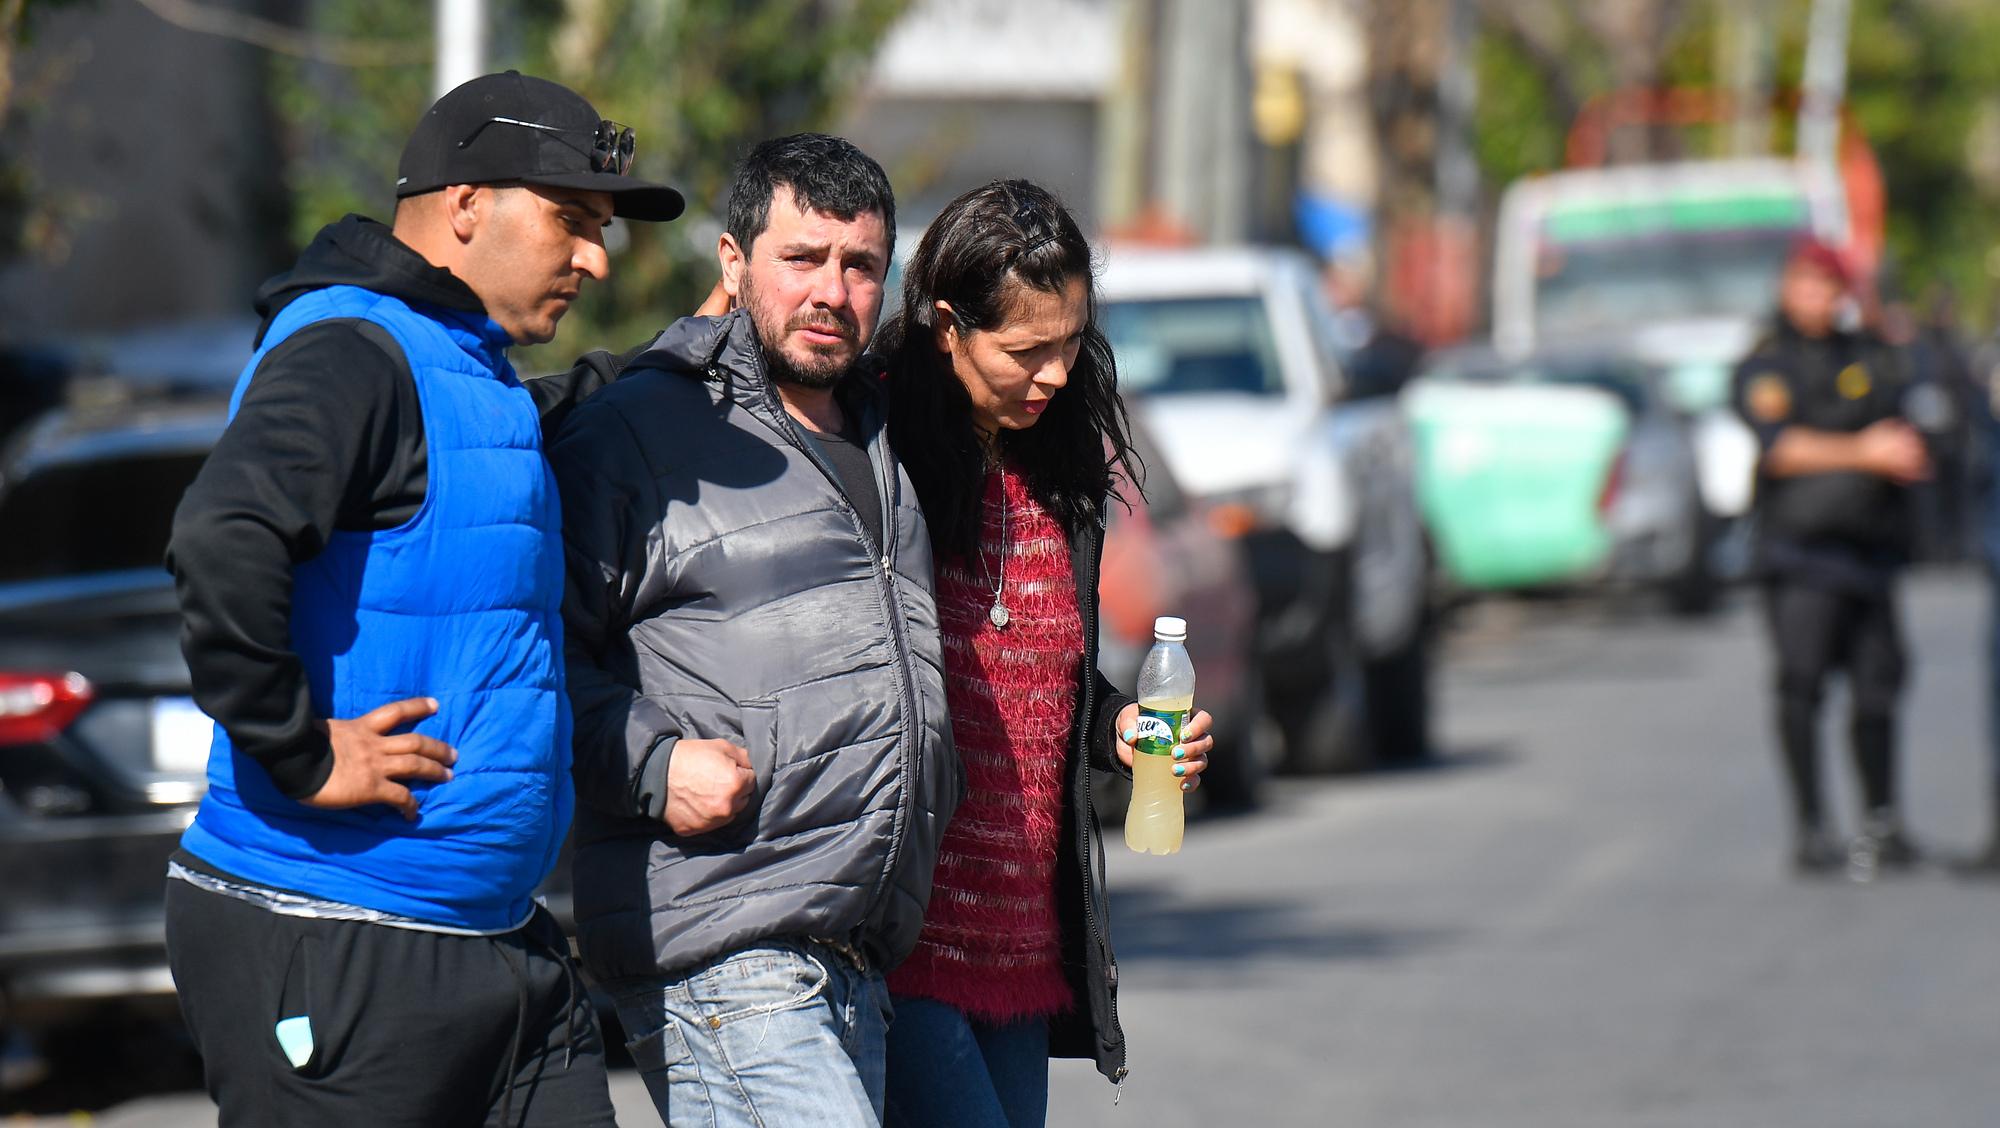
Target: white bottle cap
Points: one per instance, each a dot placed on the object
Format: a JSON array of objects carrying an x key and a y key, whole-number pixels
[{"x": 1167, "y": 628}]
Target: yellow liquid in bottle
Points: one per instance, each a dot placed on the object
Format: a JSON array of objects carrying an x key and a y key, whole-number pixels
[{"x": 1154, "y": 821}]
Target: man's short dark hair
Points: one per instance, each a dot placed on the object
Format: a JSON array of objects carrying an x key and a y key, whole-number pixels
[{"x": 826, "y": 174}]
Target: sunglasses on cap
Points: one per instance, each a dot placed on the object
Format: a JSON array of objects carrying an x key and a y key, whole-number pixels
[{"x": 610, "y": 149}]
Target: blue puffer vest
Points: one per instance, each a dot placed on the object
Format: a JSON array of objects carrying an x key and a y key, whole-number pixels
[{"x": 462, "y": 604}]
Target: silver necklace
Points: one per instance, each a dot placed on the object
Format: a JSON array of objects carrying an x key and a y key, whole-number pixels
[{"x": 997, "y": 614}]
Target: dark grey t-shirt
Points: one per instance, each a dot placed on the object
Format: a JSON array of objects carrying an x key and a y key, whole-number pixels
[{"x": 855, "y": 475}]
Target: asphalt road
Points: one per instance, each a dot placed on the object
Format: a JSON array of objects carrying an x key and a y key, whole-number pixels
[{"x": 1581, "y": 917}]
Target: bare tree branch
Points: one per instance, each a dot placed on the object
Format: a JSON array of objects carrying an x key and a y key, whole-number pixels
[{"x": 276, "y": 37}]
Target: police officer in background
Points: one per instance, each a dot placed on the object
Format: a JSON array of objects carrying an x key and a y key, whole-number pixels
[{"x": 1833, "y": 515}]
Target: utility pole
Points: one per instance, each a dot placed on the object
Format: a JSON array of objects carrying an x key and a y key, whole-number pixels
[
  {"x": 1125, "y": 116},
  {"x": 461, "y": 43},
  {"x": 1204, "y": 118},
  {"x": 1825, "y": 84},
  {"x": 1744, "y": 58}
]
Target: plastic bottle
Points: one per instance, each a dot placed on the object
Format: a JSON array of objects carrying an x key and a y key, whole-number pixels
[{"x": 1154, "y": 821}]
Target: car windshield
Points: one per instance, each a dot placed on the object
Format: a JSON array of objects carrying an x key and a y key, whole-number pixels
[
  {"x": 92, "y": 516},
  {"x": 1602, "y": 285},
  {"x": 1194, "y": 345}
]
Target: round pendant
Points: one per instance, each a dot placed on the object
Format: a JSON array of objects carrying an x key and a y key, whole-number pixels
[{"x": 999, "y": 614}]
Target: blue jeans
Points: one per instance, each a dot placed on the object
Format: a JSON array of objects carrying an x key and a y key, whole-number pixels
[
  {"x": 950, "y": 1071},
  {"x": 786, "y": 1033}
]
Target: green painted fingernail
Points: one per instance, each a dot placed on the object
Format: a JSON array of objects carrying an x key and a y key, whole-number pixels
[
  {"x": 1180, "y": 769},
  {"x": 1187, "y": 785},
  {"x": 1179, "y": 752},
  {"x": 1131, "y": 734}
]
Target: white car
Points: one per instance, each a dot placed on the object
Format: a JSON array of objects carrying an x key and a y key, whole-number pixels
[{"x": 1227, "y": 353}]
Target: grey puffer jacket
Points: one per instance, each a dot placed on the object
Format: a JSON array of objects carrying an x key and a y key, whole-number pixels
[{"x": 722, "y": 585}]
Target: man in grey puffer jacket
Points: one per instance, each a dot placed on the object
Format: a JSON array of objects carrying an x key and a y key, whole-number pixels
[{"x": 763, "y": 754}]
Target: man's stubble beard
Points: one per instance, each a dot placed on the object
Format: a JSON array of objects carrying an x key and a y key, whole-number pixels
[{"x": 827, "y": 371}]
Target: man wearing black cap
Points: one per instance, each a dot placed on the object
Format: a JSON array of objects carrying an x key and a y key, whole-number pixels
[
  {"x": 370, "y": 573},
  {"x": 1834, "y": 525}
]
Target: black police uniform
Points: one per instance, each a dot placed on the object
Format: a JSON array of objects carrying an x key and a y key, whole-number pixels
[{"x": 1829, "y": 549}]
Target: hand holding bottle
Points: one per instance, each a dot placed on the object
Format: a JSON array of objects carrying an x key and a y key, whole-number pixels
[
  {"x": 1191, "y": 754},
  {"x": 1160, "y": 743}
]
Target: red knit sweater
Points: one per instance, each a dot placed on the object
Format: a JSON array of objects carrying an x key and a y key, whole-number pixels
[{"x": 990, "y": 944}]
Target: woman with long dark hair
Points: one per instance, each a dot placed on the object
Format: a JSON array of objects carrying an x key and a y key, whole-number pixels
[{"x": 1004, "y": 408}]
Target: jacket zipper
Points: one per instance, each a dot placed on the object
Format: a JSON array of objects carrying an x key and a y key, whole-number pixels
[
  {"x": 884, "y": 569},
  {"x": 1087, "y": 847},
  {"x": 912, "y": 726}
]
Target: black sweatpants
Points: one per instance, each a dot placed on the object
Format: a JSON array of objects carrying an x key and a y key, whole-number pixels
[
  {"x": 1816, "y": 630},
  {"x": 411, "y": 1028}
]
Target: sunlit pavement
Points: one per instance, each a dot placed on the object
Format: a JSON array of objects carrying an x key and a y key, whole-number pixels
[{"x": 1580, "y": 918}]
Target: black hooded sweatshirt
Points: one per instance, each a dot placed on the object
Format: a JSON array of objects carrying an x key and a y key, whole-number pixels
[{"x": 329, "y": 435}]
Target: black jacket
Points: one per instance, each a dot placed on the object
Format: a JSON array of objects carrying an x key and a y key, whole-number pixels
[
  {"x": 1091, "y": 1029},
  {"x": 1846, "y": 527},
  {"x": 329, "y": 435}
]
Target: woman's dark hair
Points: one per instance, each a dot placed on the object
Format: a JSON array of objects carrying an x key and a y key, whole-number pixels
[{"x": 975, "y": 256}]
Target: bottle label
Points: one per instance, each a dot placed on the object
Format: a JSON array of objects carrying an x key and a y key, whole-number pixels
[{"x": 1157, "y": 733}]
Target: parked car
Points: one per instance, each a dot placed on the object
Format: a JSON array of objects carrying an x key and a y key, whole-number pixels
[
  {"x": 187, "y": 356},
  {"x": 1226, "y": 353},
  {"x": 1560, "y": 468},
  {"x": 1165, "y": 556},
  {"x": 101, "y": 749},
  {"x": 103, "y": 753},
  {"x": 32, "y": 379}
]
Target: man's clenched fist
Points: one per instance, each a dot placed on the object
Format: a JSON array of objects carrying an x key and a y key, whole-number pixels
[{"x": 709, "y": 783}]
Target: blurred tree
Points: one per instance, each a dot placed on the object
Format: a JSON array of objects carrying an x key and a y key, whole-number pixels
[
  {"x": 1405, "y": 55},
  {"x": 1541, "y": 61},
  {"x": 698, "y": 80},
  {"x": 1923, "y": 79},
  {"x": 29, "y": 221},
  {"x": 345, "y": 125},
  {"x": 1923, "y": 84},
  {"x": 1426, "y": 241}
]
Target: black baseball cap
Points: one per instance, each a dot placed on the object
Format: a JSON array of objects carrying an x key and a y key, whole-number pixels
[{"x": 515, "y": 127}]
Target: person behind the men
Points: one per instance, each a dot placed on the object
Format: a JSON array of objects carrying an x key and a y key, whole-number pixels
[
  {"x": 1939, "y": 406},
  {"x": 1005, "y": 406},
  {"x": 370, "y": 574},
  {"x": 1985, "y": 406},
  {"x": 1832, "y": 509},
  {"x": 763, "y": 758}
]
